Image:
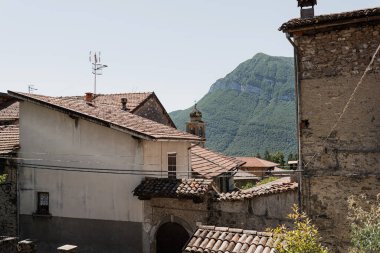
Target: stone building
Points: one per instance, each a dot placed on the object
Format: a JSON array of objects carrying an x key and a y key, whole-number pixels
[
  {"x": 81, "y": 159},
  {"x": 196, "y": 125},
  {"x": 174, "y": 208},
  {"x": 337, "y": 70},
  {"x": 9, "y": 143}
]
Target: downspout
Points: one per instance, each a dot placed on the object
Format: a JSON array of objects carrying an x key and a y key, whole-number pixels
[{"x": 297, "y": 94}]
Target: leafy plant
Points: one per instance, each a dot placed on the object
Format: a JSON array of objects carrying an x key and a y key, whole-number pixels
[
  {"x": 3, "y": 178},
  {"x": 266, "y": 180},
  {"x": 365, "y": 228},
  {"x": 303, "y": 238}
]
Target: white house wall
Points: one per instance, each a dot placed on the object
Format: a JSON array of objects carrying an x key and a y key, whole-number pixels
[{"x": 50, "y": 137}]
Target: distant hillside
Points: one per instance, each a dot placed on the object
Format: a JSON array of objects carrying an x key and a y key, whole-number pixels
[{"x": 250, "y": 110}]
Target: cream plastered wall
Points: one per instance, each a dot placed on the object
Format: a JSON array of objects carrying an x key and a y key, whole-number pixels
[{"x": 62, "y": 143}]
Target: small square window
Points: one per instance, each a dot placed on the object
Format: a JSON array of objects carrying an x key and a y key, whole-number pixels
[{"x": 43, "y": 203}]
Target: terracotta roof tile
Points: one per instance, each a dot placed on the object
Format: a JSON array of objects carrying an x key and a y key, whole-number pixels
[
  {"x": 210, "y": 164},
  {"x": 213, "y": 239},
  {"x": 172, "y": 188},
  {"x": 109, "y": 114},
  {"x": 256, "y": 162},
  {"x": 278, "y": 186},
  {"x": 9, "y": 111},
  {"x": 329, "y": 18},
  {"x": 133, "y": 99},
  {"x": 9, "y": 138}
]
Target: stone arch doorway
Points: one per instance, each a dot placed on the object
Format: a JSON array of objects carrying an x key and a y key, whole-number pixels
[{"x": 171, "y": 237}]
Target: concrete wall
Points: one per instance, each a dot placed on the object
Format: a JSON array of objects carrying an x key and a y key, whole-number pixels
[
  {"x": 257, "y": 214},
  {"x": 56, "y": 140},
  {"x": 331, "y": 63}
]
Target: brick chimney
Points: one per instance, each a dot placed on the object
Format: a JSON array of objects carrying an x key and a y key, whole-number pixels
[
  {"x": 124, "y": 104},
  {"x": 309, "y": 11},
  {"x": 89, "y": 97}
]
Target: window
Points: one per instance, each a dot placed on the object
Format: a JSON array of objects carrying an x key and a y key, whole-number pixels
[
  {"x": 43, "y": 203},
  {"x": 172, "y": 165}
]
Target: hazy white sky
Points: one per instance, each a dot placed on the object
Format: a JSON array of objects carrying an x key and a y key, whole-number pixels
[{"x": 176, "y": 48}]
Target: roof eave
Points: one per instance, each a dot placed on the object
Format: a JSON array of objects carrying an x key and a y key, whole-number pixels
[
  {"x": 80, "y": 115},
  {"x": 325, "y": 25}
]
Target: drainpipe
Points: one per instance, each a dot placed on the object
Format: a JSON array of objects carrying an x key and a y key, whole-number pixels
[{"x": 297, "y": 93}]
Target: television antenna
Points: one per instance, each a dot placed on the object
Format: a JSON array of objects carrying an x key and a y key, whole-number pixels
[
  {"x": 31, "y": 88},
  {"x": 97, "y": 67}
]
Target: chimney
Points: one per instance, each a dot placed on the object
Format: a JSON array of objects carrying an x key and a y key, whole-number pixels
[
  {"x": 124, "y": 104},
  {"x": 307, "y": 12},
  {"x": 89, "y": 97}
]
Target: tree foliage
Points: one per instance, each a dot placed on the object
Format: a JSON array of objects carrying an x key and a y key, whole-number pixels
[
  {"x": 365, "y": 227},
  {"x": 251, "y": 109},
  {"x": 303, "y": 238}
]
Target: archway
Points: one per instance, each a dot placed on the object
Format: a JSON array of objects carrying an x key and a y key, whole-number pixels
[{"x": 170, "y": 238}]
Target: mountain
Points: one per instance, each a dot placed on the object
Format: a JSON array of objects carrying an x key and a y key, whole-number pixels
[{"x": 250, "y": 110}]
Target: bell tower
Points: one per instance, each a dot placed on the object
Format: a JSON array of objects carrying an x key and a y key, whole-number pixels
[{"x": 196, "y": 125}]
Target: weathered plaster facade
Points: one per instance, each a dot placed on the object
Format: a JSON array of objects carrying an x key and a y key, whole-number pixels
[
  {"x": 331, "y": 61},
  {"x": 257, "y": 213},
  {"x": 86, "y": 205}
]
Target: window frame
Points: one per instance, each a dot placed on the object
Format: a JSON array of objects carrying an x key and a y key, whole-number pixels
[
  {"x": 172, "y": 165},
  {"x": 41, "y": 208}
]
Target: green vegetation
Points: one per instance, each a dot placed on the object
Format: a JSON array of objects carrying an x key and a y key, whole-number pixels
[
  {"x": 247, "y": 186},
  {"x": 250, "y": 110},
  {"x": 3, "y": 178},
  {"x": 303, "y": 238},
  {"x": 365, "y": 228},
  {"x": 266, "y": 180}
]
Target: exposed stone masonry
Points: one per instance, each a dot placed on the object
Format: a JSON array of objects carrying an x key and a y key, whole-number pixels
[
  {"x": 8, "y": 204},
  {"x": 331, "y": 63}
]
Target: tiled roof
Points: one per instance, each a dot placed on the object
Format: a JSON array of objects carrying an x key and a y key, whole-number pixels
[
  {"x": 9, "y": 111},
  {"x": 213, "y": 239},
  {"x": 172, "y": 188},
  {"x": 9, "y": 138},
  {"x": 330, "y": 18},
  {"x": 133, "y": 99},
  {"x": 108, "y": 115},
  {"x": 256, "y": 162},
  {"x": 209, "y": 163},
  {"x": 278, "y": 186}
]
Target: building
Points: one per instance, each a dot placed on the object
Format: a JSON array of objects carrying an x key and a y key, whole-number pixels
[
  {"x": 226, "y": 239},
  {"x": 258, "y": 167},
  {"x": 196, "y": 125},
  {"x": 173, "y": 209},
  {"x": 337, "y": 64},
  {"x": 220, "y": 168},
  {"x": 9, "y": 144},
  {"x": 80, "y": 159}
]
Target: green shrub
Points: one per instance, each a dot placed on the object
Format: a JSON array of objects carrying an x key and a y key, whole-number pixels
[
  {"x": 365, "y": 228},
  {"x": 303, "y": 238}
]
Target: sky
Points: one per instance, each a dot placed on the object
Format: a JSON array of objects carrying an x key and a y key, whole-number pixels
[{"x": 175, "y": 48}]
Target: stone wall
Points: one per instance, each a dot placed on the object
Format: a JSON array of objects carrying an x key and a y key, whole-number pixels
[
  {"x": 152, "y": 110},
  {"x": 258, "y": 214},
  {"x": 331, "y": 63},
  {"x": 8, "y": 202}
]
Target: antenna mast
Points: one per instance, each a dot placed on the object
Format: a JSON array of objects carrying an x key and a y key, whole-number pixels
[
  {"x": 31, "y": 88},
  {"x": 97, "y": 67}
]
